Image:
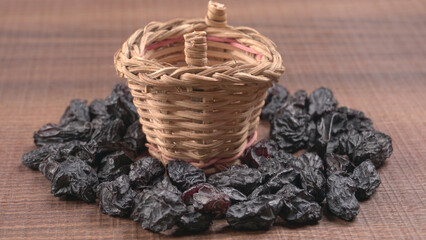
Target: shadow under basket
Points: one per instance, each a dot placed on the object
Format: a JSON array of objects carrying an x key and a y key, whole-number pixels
[{"x": 199, "y": 86}]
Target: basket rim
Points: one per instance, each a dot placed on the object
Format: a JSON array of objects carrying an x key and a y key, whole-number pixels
[{"x": 133, "y": 54}]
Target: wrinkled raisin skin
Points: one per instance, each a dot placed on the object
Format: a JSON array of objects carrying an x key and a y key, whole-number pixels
[
  {"x": 183, "y": 175},
  {"x": 240, "y": 177},
  {"x": 341, "y": 200},
  {"x": 75, "y": 178},
  {"x": 116, "y": 197},
  {"x": 207, "y": 199},
  {"x": 144, "y": 171}
]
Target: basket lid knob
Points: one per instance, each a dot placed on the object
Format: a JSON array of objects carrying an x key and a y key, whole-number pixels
[
  {"x": 196, "y": 48},
  {"x": 216, "y": 14}
]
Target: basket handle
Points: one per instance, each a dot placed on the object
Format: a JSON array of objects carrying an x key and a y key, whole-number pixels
[
  {"x": 216, "y": 15},
  {"x": 196, "y": 49}
]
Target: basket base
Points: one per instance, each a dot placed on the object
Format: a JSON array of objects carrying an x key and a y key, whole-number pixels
[{"x": 211, "y": 166}]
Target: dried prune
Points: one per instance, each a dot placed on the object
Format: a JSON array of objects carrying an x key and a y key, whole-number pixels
[
  {"x": 107, "y": 138},
  {"x": 194, "y": 221},
  {"x": 116, "y": 197},
  {"x": 183, "y": 175},
  {"x": 144, "y": 171},
  {"x": 277, "y": 95},
  {"x": 335, "y": 162},
  {"x": 310, "y": 167},
  {"x": 113, "y": 166},
  {"x": 207, "y": 199},
  {"x": 298, "y": 205},
  {"x": 119, "y": 105},
  {"x": 75, "y": 178},
  {"x": 33, "y": 158},
  {"x": 76, "y": 111},
  {"x": 274, "y": 184},
  {"x": 341, "y": 200},
  {"x": 367, "y": 180},
  {"x": 240, "y": 177},
  {"x": 233, "y": 194},
  {"x": 290, "y": 130},
  {"x": 135, "y": 139},
  {"x": 55, "y": 133},
  {"x": 256, "y": 214},
  {"x": 321, "y": 101},
  {"x": 157, "y": 210}
]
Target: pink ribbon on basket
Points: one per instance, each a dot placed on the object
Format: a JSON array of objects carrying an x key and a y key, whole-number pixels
[
  {"x": 231, "y": 41},
  {"x": 213, "y": 161}
]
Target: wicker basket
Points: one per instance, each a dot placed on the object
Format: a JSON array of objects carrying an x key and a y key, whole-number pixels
[{"x": 199, "y": 86}]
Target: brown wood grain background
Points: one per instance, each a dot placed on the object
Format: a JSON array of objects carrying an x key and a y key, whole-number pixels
[{"x": 372, "y": 54}]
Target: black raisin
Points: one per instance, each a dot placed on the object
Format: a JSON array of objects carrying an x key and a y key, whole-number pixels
[
  {"x": 367, "y": 180},
  {"x": 290, "y": 130},
  {"x": 240, "y": 177},
  {"x": 113, "y": 166},
  {"x": 335, "y": 162},
  {"x": 341, "y": 200},
  {"x": 106, "y": 138},
  {"x": 276, "y": 182},
  {"x": 256, "y": 214},
  {"x": 183, "y": 175},
  {"x": 297, "y": 103},
  {"x": 368, "y": 144},
  {"x": 157, "y": 210},
  {"x": 49, "y": 165},
  {"x": 60, "y": 133},
  {"x": 164, "y": 184},
  {"x": 312, "y": 179},
  {"x": 144, "y": 171},
  {"x": 321, "y": 101},
  {"x": 298, "y": 205},
  {"x": 119, "y": 105},
  {"x": 98, "y": 112},
  {"x": 257, "y": 152},
  {"x": 135, "y": 139},
  {"x": 116, "y": 197},
  {"x": 356, "y": 119},
  {"x": 193, "y": 221},
  {"x": 233, "y": 194},
  {"x": 277, "y": 95},
  {"x": 207, "y": 199},
  {"x": 77, "y": 149},
  {"x": 76, "y": 111},
  {"x": 33, "y": 158},
  {"x": 75, "y": 178},
  {"x": 69, "y": 150}
]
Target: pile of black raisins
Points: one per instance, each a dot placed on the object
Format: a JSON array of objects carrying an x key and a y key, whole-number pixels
[{"x": 93, "y": 154}]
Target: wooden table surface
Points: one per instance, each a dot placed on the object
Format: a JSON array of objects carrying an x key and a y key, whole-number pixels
[{"x": 372, "y": 54}]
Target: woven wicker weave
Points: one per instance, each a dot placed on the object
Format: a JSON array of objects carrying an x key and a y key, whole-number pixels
[{"x": 200, "y": 113}]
